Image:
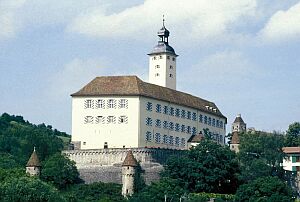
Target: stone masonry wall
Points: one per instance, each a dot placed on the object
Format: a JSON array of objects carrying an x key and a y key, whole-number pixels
[{"x": 105, "y": 164}]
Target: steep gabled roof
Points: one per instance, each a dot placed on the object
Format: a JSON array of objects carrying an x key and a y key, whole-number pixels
[
  {"x": 132, "y": 85},
  {"x": 130, "y": 160},
  {"x": 238, "y": 119},
  {"x": 33, "y": 160}
]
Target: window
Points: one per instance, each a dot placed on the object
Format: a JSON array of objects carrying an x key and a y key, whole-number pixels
[
  {"x": 221, "y": 124},
  {"x": 205, "y": 119},
  {"x": 166, "y": 110},
  {"x": 100, "y": 119},
  {"x": 88, "y": 119},
  {"x": 158, "y": 123},
  {"x": 183, "y": 142},
  {"x": 194, "y": 131},
  {"x": 111, "y": 119},
  {"x": 165, "y": 124},
  {"x": 157, "y": 138},
  {"x": 123, "y": 103},
  {"x": 200, "y": 118},
  {"x": 194, "y": 116},
  {"x": 168, "y": 57},
  {"x": 213, "y": 122},
  {"x": 177, "y": 127},
  {"x": 158, "y": 108},
  {"x": 157, "y": 74},
  {"x": 217, "y": 124},
  {"x": 177, "y": 141},
  {"x": 171, "y": 140},
  {"x": 165, "y": 139},
  {"x": 123, "y": 119},
  {"x": 171, "y": 126},
  {"x": 221, "y": 139},
  {"x": 148, "y": 136},
  {"x": 84, "y": 143},
  {"x": 177, "y": 112},
  {"x": 100, "y": 104},
  {"x": 160, "y": 57},
  {"x": 173, "y": 58},
  {"x": 182, "y": 128},
  {"x": 111, "y": 104},
  {"x": 154, "y": 58},
  {"x": 172, "y": 111},
  {"x": 171, "y": 75},
  {"x": 148, "y": 121},
  {"x": 188, "y": 115},
  {"x": 209, "y": 121},
  {"x": 157, "y": 66},
  {"x": 183, "y": 113},
  {"x": 88, "y": 104},
  {"x": 149, "y": 106},
  {"x": 188, "y": 129},
  {"x": 171, "y": 67}
]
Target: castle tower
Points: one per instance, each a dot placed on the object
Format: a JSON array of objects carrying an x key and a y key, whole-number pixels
[
  {"x": 235, "y": 142},
  {"x": 162, "y": 61},
  {"x": 128, "y": 174},
  {"x": 33, "y": 166},
  {"x": 238, "y": 125}
]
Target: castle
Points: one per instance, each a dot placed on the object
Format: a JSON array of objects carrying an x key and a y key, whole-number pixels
[{"x": 114, "y": 114}]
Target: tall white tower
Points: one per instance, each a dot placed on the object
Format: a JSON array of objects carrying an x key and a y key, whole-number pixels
[
  {"x": 129, "y": 166},
  {"x": 162, "y": 61}
]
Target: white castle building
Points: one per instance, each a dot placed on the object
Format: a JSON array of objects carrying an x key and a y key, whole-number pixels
[{"x": 126, "y": 112}]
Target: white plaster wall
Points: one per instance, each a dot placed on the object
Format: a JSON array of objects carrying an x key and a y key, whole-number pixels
[
  {"x": 164, "y": 71},
  {"x": 116, "y": 135},
  {"x": 287, "y": 163},
  {"x": 164, "y": 117}
]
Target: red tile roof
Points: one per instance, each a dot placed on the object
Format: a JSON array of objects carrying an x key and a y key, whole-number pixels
[
  {"x": 291, "y": 150},
  {"x": 130, "y": 160}
]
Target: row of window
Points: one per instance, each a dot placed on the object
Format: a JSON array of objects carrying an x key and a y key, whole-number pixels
[
  {"x": 161, "y": 57},
  {"x": 109, "y": 104},
  {"x": 172, "y": 126},
  {"x": 158, "y": 66},
  {"x": 108, "y": 119},
  {"x": 165, "y": 139},
  {"x": 185, "y": 114},
  {"x": 170, "y": 75}
]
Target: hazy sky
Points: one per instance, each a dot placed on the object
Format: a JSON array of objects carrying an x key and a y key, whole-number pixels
[{"x": 244, "y": 55}]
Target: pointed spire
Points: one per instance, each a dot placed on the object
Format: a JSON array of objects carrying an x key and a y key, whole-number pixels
[
  {"x": 130, "y": 160},
  {"x": 33, "y": 160},
  {"x": 163, "y": 20}
]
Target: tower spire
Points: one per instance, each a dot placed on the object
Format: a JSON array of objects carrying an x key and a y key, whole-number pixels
[{"x": 163, "y": 20}]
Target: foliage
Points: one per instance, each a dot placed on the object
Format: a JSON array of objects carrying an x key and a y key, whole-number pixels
[
  {"x": 293, "y": 135},
  {"x": 18, "y": 137},
  {"x": 157, "y": 191},
  {"x": 98, "y": 191},
  {"x": 60, "y": 171},
  {"x": 8, "y": 174},
  {"x": 206, "y": 196},
  {"x": 209, "y": 167},
  {"x": 8, "y": 161},
  {"x": 265, "y": 189},
  {"x": 28, "y": 189},
  {"x": 260, "y": 155}
]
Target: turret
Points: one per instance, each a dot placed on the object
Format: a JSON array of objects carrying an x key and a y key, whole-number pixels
[
  {"x": 33, "y": 166},
  {"x": 238, "y": 125},
  {"x": 129, "y": 169},
  {"x": 162, "y": 61}
]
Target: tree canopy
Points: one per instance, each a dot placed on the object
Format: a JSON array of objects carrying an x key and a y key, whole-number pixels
[{"x": 293, "y": 135}]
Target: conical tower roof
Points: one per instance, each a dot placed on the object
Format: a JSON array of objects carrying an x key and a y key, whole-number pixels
[
  {"x": 33, "y": 160},
  {"x": 238, "y": 119},
  {"x": 130, "y": 160}
]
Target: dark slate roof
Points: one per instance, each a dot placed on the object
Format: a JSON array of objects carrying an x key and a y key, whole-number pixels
[
  {"x": 33, "y": 160},
  {"x": 129, "y": 160},
  {"x": 238, "y": 119},
  {"x": 162, "y": 47},
  {"x": 235, "y": 138},
  {"x": 132, "y": 85}
]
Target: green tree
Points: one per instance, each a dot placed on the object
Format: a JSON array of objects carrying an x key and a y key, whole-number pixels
[
  {"x": 260, "y": 155},
  {"x": 293, "y": 135},
  {"x": 209, "y": 167},
  {"x": 28, "y": 189},
  {"x": 97, "y": 191},
  {"x": 60, "y": 171},
  {"x": 265, "y": 189}
]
